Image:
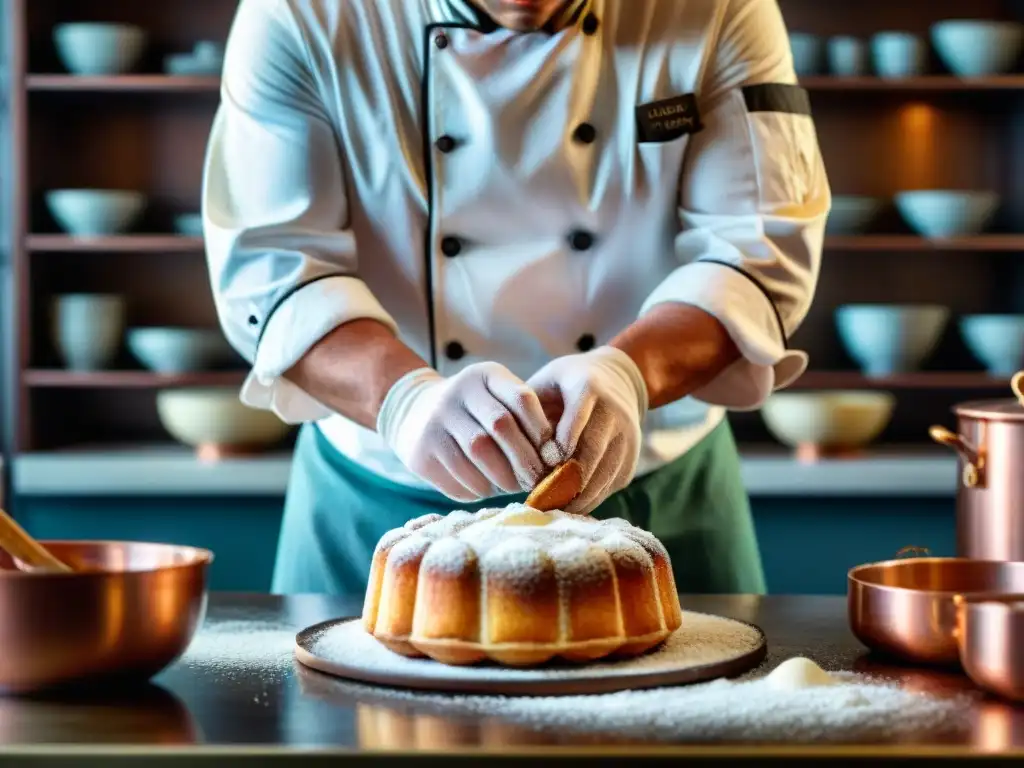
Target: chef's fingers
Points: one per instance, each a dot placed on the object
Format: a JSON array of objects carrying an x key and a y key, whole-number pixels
[
  {"x": 438, "y": 475},
  {"x": 577, "y": 410},
  {"x": 605, "y": 478},
  {"x": 461, "y": 468},
  {"x": 520, "y": 460},
  {"x": 593, "y": 443},
  {"x": 524, "y": 404},
  {"x": 481, "y": 449}
]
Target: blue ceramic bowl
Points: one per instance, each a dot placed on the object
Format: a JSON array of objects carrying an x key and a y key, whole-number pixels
[
  {"x": 889, "y": 339},
  {"x": 996, "y": 340}
]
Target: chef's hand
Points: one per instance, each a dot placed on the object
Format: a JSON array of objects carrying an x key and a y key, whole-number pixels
[
  {"x": 471, "y": 436},
  {"x": 598, "y": 401}
]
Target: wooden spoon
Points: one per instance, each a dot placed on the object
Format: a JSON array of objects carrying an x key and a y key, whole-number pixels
[
  {"x": 558, "y": 489},
  {"x": 15, "y": 541}
]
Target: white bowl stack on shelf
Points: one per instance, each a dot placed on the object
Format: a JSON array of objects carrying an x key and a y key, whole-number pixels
[{"x": 99, "y": 49}]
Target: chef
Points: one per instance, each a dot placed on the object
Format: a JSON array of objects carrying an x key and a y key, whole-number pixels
[{"x": 460, "y": 242}]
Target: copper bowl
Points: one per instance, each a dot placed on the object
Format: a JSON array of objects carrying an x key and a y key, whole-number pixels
[
  {"x": 128, "y": 611},
  {"x": 905, "y": 608},
  {"x": 990, "y": 640}
]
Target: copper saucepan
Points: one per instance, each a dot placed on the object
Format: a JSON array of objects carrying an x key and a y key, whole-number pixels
[
  {"x": 989, "y": 442},
  {"x": 124, "y": 613},
  {"x": 990, "y": 639},
  {"x": 906, "y": 607}
]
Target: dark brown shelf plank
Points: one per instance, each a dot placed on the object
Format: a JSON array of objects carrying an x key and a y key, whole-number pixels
[
  {"x": 57, "y": 378},
  {"x": 917, "y": 380},
  {"x": 915, "y": 243},
  {"x": 922, "y": 83},
  {"x": 118, "y": 244},
  {"x": 122, "y": 83}
]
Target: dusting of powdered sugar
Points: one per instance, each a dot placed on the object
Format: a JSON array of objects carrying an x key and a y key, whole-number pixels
[
  {"x": 242, "y": 647},
  {"x": 855, "y": 709},
  {"x": 703, "y": 639}
]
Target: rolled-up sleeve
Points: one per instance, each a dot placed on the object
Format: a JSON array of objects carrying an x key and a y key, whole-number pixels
[
  {"x": 283, "y": 262},
  {"x": 754, "y": 198}
]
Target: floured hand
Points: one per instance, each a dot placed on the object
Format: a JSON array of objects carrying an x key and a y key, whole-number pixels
[
  {"x": 471, "y": 436},
  {"x": 598, "y": 401}
]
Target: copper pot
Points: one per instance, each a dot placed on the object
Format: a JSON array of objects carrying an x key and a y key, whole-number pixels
[
  {"x": 989, "y": 442},
  {"x": 125, "y": 613},
  {"x": 905, "y": 608},
  {"x": 989, "y": 632}
]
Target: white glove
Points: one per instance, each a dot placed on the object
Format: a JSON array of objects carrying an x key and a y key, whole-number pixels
[
  {"x": 599, "y": 400},
  {"x": 471, "y": 436}
]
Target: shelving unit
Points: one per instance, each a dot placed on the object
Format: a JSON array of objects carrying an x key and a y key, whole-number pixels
[{"x": 148, "y": 131}]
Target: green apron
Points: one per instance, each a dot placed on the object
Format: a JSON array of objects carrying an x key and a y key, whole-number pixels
[{"x": 336, "y": 511}]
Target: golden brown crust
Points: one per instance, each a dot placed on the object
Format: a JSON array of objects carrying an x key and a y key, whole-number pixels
[{"x": 557, "y": 490}]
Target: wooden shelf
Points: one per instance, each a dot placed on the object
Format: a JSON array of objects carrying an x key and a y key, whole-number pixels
[
  {"x": 915, "y": 243},
  {"x": 917, "y": 380},
  {"x": 61, "y": 379},
  {"x": 933, "y": 83},
  {"x": 123, "y": 83},
  {"x": 117, "y": 244}
]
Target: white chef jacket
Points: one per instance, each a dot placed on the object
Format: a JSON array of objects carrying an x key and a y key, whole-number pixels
[{"x": 514, "y": 197}]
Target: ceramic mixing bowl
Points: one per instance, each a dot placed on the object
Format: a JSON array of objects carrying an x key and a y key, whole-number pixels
[{"x": 851, "y": 214}]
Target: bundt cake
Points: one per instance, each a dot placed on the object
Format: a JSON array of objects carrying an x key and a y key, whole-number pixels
[{"x": 520, "y": 587}]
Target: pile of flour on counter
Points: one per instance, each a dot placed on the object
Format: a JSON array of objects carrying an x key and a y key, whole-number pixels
[{"x": 798, "y": 701}]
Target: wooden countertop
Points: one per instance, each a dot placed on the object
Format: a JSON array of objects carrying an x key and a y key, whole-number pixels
[{"x": 289, "y": 711}]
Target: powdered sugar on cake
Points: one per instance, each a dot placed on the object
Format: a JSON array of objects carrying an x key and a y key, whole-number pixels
[{"x": 505, "y": 546}]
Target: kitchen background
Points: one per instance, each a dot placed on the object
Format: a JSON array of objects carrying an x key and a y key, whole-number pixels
[{"x": 120, "y": 415}]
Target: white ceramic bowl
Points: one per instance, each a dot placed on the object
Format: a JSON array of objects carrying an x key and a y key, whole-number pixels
[
  {"x": 976, "y": 48},
  {"x": 217, "y": 418},
  {"x": 95, "y": 212},
  {"x": 87, "y": 329},
  {"x": 996, "y": 340},
  {"x": 851, "y": 214},
  {"x": 937, "y": 213},
  {"x": 836, "y": 420},
  {"x": 889, "y": 339},
  {"x": 99, "y": 49},
  {"x": 179, "y": 350}
]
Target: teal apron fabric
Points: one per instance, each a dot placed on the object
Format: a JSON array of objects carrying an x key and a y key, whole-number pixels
[{"x": 336, "y": 511}]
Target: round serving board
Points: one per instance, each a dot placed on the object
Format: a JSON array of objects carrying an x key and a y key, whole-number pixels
[{"x": 705, "y": 648}]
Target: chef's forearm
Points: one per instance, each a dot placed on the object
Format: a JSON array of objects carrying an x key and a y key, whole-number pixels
[
  {"x": 352, "y": 369},
  {"x": 678, "y": 349}
]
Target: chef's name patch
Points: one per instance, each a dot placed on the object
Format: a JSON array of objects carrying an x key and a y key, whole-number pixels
[{"x": 668, "y": 119}]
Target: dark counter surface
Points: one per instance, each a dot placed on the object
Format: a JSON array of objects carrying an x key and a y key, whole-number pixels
[{"x": 233, "y": 705}]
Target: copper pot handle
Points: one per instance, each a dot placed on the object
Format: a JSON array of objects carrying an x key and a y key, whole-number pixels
[
  {"x": 913, "y": 551},
  {"x": 1017, "y": 385},
  {"x": 972, "y": 459}
]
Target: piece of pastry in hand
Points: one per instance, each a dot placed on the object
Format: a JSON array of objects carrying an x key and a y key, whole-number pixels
[{"x": 558, "y": 489}]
